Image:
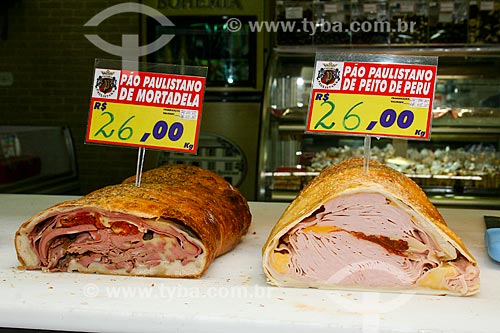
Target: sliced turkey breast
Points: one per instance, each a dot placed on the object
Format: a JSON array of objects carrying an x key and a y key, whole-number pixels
[{"x": 349, "y": 229}]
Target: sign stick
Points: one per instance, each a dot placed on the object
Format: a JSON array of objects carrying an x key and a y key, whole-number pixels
[
  {"x": 121, "y": 94},
  {"x": 367, "y": 147},
  {"x": 140, "y": 164}
]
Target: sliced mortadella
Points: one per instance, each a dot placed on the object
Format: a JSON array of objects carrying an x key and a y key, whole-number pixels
[{"x": 90, "y": 240}]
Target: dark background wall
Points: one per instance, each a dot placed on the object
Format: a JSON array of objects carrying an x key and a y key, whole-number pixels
[{"x": 44, "y": 47}]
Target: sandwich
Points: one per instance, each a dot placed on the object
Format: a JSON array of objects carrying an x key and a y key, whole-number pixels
[
  {"x": 373, "y": 229},
  {"x": 174, "y": 225}
]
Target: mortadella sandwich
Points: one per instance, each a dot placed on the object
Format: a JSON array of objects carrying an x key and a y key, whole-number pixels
[{"x": 174, "y": 225}]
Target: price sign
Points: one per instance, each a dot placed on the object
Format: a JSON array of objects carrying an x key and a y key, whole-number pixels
[
  {"x": 143, "y": 109},
  {"x": 372, "y": 98}
]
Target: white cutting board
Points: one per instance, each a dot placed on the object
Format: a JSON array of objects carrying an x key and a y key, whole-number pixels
[{"x": 232, "y": 296}]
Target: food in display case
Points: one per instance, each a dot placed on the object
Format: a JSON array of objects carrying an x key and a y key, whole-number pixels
[
  {"x": 448, "y": 22},
  {"x": 471, "y": 168},
  {"x": 174, "y": 225},
  {"x": 231, "y": 56},
  {"x": 413, "y": 17},
  {"x": 484, "y": 22},
  {"x": 477, "y": 166},
  {"x": 332, "y": 18},
  {"x": 373, "y": 229},
  {"x": 14, "y": 165},
  {"x": 392, "y": 22},
  {"x": 459, "y": 165},
  {"x": 293, "y": 14},
  {"x": 372, "y": 14}
]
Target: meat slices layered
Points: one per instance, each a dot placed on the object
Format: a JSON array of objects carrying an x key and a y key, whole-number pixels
[
  {"x": 366, "y": 241},
  {"x": 369, "y": 228},
  {"x": 175, "y": 224},
  {"x": 90, "y": 240}
]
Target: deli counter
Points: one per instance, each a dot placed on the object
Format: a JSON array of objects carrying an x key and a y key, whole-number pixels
[{"x": 459, "y": 166}]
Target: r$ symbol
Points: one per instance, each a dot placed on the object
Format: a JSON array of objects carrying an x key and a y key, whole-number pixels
[
  {"x": 100, "y": 106},
  {"x": 322, "y": 97}
]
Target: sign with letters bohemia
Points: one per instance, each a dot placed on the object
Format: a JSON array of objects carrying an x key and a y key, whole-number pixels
[
  {"x": 144, "y": 109},
  {"x": 375, "y": 96}
]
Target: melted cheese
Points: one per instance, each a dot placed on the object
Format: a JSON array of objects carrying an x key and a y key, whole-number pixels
[
  {"x": 437, "y": 278},
  {"x": 321, "y": 229},
  {"x": 279, "y": 261},
  {"x": 105, "y": 221}
]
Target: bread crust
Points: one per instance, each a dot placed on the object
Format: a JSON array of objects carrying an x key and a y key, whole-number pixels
[
  {"x": 349, "y": 177},
  {"x": 201, "y": 200},
  {"x": 219, "y": 198}
]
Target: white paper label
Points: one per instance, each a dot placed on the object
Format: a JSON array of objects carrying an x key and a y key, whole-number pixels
[
  {"x": 487, "y": 5},
  {"x": 446, "y": 7},
  {"x": 419, "y": 102},
  {"x": 294, "y": 13},
  {"x": 407, "y": 7},
  {"x": 331, "y": 8},
  {"x": 188, "y": 114},
  {"x": 369, "y": 8}
]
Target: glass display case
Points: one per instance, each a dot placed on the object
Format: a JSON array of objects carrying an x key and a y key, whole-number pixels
[
  {"x": 37, "y": 159},
  {"x": 219, "y": 35},
  {"x": 380, "y": 22},
  {"x": 460, "y": 165},
  {"x": 207, "y": 41}
]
